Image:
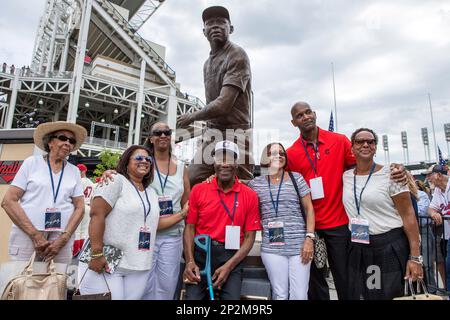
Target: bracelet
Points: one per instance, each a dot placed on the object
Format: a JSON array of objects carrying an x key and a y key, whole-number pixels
[
  {"x": 97, "y": 255},
  {"x": 190, "y": 262}
]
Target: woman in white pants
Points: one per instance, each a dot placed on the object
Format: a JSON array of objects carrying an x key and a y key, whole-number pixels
[
  {"x": 287, "y": 246},
  {"x": 124, "y": 214},
  {"x": 171, "y": 184}
]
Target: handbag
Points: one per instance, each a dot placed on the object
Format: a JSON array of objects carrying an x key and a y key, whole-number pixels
[
  {"x": 320, "y": 248},
  {"x": 414, "y": 296},
  {"x": 96, "y": 296},
  {"x": 36, "y": 286},
  {"x": 111, "y": 253}
]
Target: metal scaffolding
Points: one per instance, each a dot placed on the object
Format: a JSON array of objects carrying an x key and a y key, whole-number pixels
[{"x": 62, "y": 84}]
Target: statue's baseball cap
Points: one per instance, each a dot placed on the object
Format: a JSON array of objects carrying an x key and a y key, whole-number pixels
[{"x": 214, "y": 12}]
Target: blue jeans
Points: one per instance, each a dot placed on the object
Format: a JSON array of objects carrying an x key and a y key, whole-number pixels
[{"x": 447, "y": 265}]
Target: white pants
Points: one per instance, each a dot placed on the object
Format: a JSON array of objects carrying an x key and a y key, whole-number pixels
[
  {"x": 124, "y": 285},
  {"x": 21, "y": 247},
  {"x": 165, "y": 270},
  {"x": 288, "y": 276}
]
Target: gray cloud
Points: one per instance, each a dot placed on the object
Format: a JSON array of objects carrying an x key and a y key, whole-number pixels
[{"x": 387, "y": 56}]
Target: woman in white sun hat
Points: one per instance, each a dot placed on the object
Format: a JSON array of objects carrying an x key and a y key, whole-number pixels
[{"x": 45, "y": 200}]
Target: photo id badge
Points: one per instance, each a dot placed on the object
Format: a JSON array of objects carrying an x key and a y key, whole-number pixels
[
  {"x": 276, "y": 233},
  {"x": 52, "y": 219},
  {"x": 316, "y": 188},
  {"x": 165, "y": 205},
  {"x": 232, "y": 237},
  {"x": 144, "y": 239},
  {"x": 360, "y": 230}
]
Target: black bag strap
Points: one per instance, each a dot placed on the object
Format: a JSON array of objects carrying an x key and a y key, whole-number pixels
[{"x": 298, "y": 194}]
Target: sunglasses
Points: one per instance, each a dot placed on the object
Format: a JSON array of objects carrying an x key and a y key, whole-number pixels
[
  {"x": 361, "y": 142},
  {"x": 65, "y": 138},
  {"x": 142, "y": 158},
  {"x": 159, "y": 133}
]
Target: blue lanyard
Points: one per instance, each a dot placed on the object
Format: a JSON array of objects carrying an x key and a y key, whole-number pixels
[
  {"x": 316, "y": 150},
  {"x": 275, "y": 204},
  {"x": 163, "y": 185},
  {"x": 226, "y": 208},
  {"x": 148, "y": 201},
  {"x": 55, "y": 195},
  {"x": 358, "y": 203}
]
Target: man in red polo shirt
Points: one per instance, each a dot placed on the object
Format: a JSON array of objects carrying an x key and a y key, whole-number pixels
[
  {"x": 322, "y": 157},
  {"x": 228, "y": 212}
]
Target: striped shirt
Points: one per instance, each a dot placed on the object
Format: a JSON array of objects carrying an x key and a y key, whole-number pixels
[{"x": 289, "y": 213}]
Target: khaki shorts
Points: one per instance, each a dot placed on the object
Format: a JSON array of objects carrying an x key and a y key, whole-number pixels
[{"x": 20, "y": 246}]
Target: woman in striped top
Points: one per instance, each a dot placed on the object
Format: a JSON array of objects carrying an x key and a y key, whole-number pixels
[{"x": 287, "y": 246}]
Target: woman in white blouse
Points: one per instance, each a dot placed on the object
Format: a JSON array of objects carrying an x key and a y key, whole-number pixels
[
  {"x": 384, "y": 250},
  {"x": 124, "y": 214}
]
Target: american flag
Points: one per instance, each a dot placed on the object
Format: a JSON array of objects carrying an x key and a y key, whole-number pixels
[
  {"x": 441, "y": 158},
  {"x": 331, "y": 126}
]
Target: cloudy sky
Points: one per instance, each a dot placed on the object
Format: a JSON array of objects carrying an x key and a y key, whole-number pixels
[{"x": 387, "y": 56}]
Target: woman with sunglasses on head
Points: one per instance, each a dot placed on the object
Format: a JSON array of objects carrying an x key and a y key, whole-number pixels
[
  {"x": 287, "y": 244},
  {"x": 124, "y": 214},
  {"x": 384, "y": 249},
  {"x": 45, "y": 199},
  {"x": 171, "y": 183}
]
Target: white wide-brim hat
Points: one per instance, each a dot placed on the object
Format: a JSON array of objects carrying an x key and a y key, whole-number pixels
[{"x": 48, "y": 127}]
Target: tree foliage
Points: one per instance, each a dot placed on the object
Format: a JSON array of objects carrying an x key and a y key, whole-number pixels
[{"x": 109, "y": 160}]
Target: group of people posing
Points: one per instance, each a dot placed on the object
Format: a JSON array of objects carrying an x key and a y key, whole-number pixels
[{"x": 324, "y": 185}]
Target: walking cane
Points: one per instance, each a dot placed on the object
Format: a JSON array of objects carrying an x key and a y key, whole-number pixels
[{"x": 206, "y": 246}]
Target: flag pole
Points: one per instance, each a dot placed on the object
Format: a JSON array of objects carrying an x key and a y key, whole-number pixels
[
  {"x": 334, "y": 92},
  {"x": 432, "y": 125}
]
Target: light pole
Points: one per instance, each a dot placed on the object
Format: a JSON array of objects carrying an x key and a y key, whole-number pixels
[
  {"x": 426, "y": 143},
  {"x": 386, "y": 149},
  {"x": 447, "y": 137}
]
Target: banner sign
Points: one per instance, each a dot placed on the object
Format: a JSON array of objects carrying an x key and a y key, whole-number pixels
[{"x": 8, "y": 170}]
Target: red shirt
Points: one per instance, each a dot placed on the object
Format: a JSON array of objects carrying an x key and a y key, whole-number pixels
[
  {"x": 209, "y": 216},
  {"x": 334, "y": 157}
]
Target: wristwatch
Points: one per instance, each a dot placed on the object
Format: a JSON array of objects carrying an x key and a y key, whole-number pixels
[
  {"x": 416, "y": 259},
  {"x": 311, "y": 235}
]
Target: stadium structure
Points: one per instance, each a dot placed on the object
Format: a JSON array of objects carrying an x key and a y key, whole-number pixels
[{"x": 91, "y": 66}]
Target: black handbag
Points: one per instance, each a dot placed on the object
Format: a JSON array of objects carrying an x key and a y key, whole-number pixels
[
  {"x": 97, "y": 296},
  {"x": 320, "y": 248}
]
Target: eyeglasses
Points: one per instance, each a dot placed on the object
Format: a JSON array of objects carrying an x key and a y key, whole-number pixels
[
  {"x": 361, "y": 142},
  {"x": 159, "y": 133},
  {"x": 64, "y": 138},
  {"x": 142, "y": 158}
]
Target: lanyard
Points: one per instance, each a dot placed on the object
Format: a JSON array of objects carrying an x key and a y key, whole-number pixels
[
  {"x": 275, "y": 204},
  {"x": 358, "y": 203},
  {"x": 55, "y": 195},
  {"x": 316, "y": 150},
  {"x": 163, "y": 185},
  {"x": 148, "y": 201},
  {"x": 226, "y": 208}
]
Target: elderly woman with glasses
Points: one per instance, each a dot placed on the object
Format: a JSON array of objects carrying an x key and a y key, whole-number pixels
[
  {"x": 124, "y": 215},
  {"x": 288, "y": 225},
  {"x": 45, "y": 199},
  {"x": 384, "y": 249}
]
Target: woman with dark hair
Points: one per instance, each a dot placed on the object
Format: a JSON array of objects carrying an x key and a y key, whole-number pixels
[
  {"x": 124, "y": 214},
  {"x": 45, "y": 199},
  {"x": 384, "y": 231},
  {"x": 171, "y": 184},
  {"x": 287, "y": 242}
]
